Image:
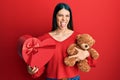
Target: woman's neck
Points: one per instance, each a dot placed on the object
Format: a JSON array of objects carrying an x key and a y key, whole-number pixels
[
  {"x": 62, "y": 32},
  {"x": 61, "y": 35}
]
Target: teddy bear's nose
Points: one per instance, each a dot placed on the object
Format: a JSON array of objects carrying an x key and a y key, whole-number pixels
[{"x": 86, "y": 46}]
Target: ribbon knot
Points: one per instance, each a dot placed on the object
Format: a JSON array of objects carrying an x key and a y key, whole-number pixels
[{"x": 32, "y": 47}]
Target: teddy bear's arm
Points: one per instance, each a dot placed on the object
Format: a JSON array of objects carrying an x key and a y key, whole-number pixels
[
  {"x": 94, "y": 54},
  {"x": 71, "y": 50}
]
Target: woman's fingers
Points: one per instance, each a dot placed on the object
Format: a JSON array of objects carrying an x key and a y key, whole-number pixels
[
  {"x": 32, "y": 70},
  {"x": 77, "y": 48},
  {"x": 82, "y": 54},
  {"x": 35, "y": 69}
]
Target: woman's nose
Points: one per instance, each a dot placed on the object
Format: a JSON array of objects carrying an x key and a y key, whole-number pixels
[{"x": 63, "y": 18}]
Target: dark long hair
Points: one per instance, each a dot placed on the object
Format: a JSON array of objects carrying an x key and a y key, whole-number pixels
[{"x": 57, "y": 8}]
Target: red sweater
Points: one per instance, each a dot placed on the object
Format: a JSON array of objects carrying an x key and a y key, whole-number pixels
[{"x": 56, "y": 68}]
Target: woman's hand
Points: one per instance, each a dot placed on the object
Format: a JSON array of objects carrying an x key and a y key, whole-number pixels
[
  {"x": 32, "y": 70},
  {"x": 81, "y": 55}
]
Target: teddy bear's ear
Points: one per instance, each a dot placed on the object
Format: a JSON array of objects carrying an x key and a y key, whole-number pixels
[
  {"x": 93, "y": 41},
  {"x": 78, "y": 36}
]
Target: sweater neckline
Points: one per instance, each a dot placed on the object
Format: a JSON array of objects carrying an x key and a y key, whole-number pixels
[{"x": 62, "y": 40}]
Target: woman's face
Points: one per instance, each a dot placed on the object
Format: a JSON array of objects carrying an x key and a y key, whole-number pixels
[{"x": 63, "y": 18}]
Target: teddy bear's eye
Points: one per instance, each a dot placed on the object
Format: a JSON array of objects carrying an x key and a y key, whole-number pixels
[{"x": 86, "y": 46}]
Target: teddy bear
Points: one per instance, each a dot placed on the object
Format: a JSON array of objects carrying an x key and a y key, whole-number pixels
[{"x": 84, "y": 42}]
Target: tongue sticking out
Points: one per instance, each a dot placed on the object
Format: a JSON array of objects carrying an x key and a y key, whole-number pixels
[{"x": 63, "y": 24}]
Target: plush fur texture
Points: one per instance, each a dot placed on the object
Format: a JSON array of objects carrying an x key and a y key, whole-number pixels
[{"x": 84, "y": 42}]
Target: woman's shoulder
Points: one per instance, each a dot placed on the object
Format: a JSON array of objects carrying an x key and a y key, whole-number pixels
[
  {"x": 76, "y": 33},
  {"x": 44, "y": 36}
]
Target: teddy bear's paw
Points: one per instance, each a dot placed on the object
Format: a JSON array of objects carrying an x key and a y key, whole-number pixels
[
  {"x": 69, "y": 61},
  {"x": 94, "y": 53},
  {"x": 84, "y": 68}
]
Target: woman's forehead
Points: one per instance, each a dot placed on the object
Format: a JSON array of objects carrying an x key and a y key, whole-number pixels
[{"x": 63, "y": 11}]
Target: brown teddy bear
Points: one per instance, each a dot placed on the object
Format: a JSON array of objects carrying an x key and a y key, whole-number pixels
[{"x": 84, "y": 42}]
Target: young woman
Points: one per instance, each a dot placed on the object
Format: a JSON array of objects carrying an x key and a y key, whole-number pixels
[{"x": 63, "y": 34}]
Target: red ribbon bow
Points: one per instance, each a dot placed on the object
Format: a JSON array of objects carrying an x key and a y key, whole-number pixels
[{"x": 32, "y": 47}]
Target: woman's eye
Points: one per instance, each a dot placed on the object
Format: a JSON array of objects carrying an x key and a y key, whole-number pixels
[
  {"x": 60, "y": 15},
  {"x": 67, "y": 15}
]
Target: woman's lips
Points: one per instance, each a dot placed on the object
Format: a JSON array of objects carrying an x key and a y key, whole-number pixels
[{"x": 63, "y": 24}]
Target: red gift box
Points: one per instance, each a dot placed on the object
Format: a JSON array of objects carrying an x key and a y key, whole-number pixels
[
  {"x": 21, "y": 40},
  {"x": 38, "y": 53}
]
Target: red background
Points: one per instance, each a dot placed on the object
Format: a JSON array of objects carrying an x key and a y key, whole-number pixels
[{"x": 100, "y": 18}]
